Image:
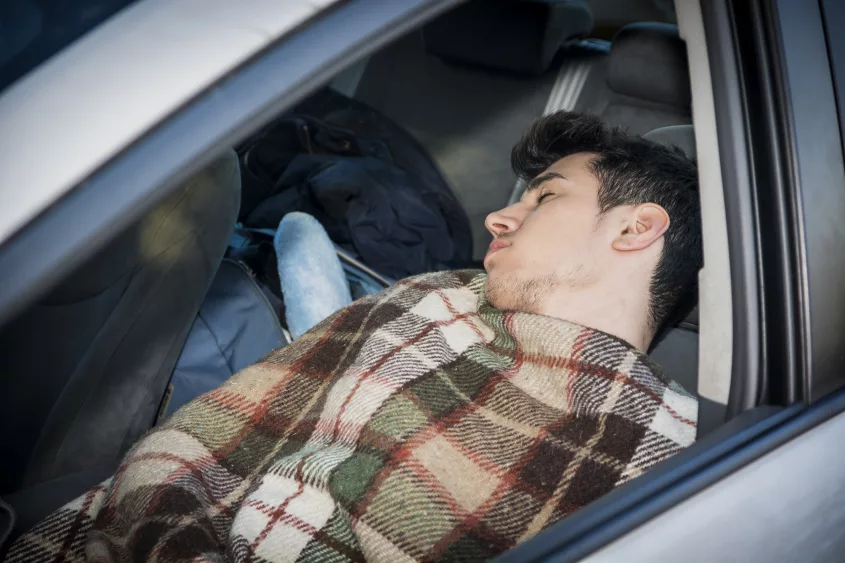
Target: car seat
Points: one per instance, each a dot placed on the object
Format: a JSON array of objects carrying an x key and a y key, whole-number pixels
[
  {"x": 514, "y": 35},
  {"x": 85, "y": 368},
  {"x": 677, "y": 352}
]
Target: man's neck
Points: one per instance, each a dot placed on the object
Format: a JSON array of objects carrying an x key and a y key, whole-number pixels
[{"x": 615, "y": 309}]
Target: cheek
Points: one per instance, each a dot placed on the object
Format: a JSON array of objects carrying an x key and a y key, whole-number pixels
[
  {"x": 569, "y": 238},
  {"x": 561, "y": 229}
]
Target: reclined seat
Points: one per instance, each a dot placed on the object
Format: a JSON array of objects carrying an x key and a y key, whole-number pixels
[
  {"x": 644, "y": 82},
  {"x": 677, "y": 352},
  {"x": 85, "y": 369},
  {"x": 639, "y": 81},
  {"x": 520, "y": 36}
]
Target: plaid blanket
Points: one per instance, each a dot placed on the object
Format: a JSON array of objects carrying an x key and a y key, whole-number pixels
[{"x": 416, "y": 424}]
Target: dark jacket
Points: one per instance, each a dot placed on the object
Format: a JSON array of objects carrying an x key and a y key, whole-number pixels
[{"x": 372, "y": 186}]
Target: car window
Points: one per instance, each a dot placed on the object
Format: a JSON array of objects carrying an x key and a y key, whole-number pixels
[{"x": 425, "y": 124}]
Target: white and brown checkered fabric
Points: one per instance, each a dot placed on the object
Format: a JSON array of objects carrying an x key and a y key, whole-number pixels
[{"x": 418, "y": 424}]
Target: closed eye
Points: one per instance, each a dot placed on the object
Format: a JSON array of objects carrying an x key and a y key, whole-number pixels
[{"x": 543, "y": 196}]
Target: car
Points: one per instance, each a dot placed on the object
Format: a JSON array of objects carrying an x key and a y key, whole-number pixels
[{"x": 111, "y": 120}]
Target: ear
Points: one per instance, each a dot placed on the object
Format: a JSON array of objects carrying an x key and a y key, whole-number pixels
[{"x": 645, "y": 225}]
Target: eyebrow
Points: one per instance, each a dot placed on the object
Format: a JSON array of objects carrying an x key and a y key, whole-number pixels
[{"x": 540, "y": 180}]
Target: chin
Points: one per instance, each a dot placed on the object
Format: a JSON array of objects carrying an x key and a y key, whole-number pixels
[
  {"x": 503, "y": 290},
  {"x": 513, "y": 293},
  {"x": 492, "y": 299},
  {"x": 493, "y": 288}
]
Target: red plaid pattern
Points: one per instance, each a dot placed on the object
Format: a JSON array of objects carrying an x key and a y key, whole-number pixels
[{"x": 418, "y": 424}]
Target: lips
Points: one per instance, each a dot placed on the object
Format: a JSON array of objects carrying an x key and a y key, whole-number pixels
[{"x": 496, "y": 245}]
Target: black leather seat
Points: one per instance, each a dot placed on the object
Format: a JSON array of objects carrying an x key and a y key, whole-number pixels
[{"x": 85, "y": 369}]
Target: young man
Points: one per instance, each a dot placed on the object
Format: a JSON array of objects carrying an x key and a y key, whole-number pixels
[
  {"x": 606, "y": 235},
  {"x": 451, "y": 416}
]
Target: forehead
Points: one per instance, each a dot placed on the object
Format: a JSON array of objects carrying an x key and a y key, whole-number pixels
[{"x": 575, "y": 167}]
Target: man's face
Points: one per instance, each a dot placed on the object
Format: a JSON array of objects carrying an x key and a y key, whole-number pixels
[{"x": 553, "y": 239}]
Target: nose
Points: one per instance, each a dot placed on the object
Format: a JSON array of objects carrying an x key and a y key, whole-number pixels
[{"x": 505, "y": 220}]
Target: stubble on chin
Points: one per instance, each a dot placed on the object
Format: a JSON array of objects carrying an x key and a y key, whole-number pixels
[{"x": 509, "y": 292}]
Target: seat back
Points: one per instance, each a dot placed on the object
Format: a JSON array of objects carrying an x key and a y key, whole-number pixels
[
  {"x": 677, "y": 352},
  {"x": 85, "y": 369},
  {"x": 511, "y": 35},
  {"x": 640, "y": 82}
]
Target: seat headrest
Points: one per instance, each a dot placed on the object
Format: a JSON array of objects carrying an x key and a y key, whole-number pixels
[
  {"x": 516, "y": 36},
  {"x": 649, "y": 61},
  {"x": 681, "y": 136},
  {"x": 572, "y": 18}
]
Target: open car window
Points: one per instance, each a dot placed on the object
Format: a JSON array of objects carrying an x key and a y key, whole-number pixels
[{"x": 448, "y": 113}]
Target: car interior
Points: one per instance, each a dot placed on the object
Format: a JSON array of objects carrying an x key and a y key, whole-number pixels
[{"x": 88, "y": 369}]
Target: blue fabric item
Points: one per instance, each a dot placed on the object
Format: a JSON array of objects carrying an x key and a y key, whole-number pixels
[
  {"x": 313, "y": 281},
  {"x": 362, "y": 281},
  {"x": 235, "y": 327},
  {"x": 238, "y": 323}
]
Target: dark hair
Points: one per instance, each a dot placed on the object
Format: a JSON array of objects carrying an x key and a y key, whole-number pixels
[{"x": 630, "y": 171}]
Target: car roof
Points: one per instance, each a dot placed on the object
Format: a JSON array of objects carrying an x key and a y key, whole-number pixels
[{"x": 79, "y": 109}]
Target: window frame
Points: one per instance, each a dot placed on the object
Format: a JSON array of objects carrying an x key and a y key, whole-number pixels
[{"x": 34, "y": 259}]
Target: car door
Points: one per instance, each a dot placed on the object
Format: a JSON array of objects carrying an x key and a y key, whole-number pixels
[{"x": 781, "y": 155}]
